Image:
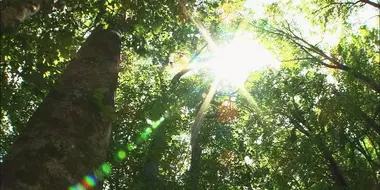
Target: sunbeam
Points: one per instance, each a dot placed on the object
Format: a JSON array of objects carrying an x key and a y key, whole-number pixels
[
  {"x": 252, "y": 102},
  {"x": 200, "y": 114}
]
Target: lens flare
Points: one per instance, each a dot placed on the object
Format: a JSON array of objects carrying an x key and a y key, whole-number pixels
[
  {"x": 130, "y": 147},
  {"x": 157, "y": 123},
  {"x": 148, "y": 130},
  {"x": 106, "y": 168},
  {"x": 231, "y": 63},
  {"x": 99, "y": 174},
  {"x": 91, "y": 180},
  {"x": 121, "y": 155}
]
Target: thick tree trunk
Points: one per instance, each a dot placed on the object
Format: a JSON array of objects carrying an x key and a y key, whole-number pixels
[
  {"x": 67, "y": 137},
  {"x": 20, "y": 11},
  {"x": 150, "y": 171}
]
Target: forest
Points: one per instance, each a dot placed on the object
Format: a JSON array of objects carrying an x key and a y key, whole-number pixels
[{"x": 190, "y": 94}]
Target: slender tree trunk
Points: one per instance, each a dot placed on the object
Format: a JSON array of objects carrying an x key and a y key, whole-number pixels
[
  {"x": 356, "y": 111},
  {"x": 195, "y": 168},
  {"x": 20, "y": 11},
  {"x": 150, "y": 170},
  {"x": 196, "y": 151},
  {"x": 370, "y": 82},
  {"x": 68, "y": 135},
  {"x": 158, "y": 145},
  {"x": 336, "y": 172}
]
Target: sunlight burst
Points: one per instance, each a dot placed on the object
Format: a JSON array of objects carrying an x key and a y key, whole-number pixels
[{"x": 233, "y": 62}]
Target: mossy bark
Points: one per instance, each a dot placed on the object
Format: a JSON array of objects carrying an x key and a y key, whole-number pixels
[{"x": 68, "y": 135}]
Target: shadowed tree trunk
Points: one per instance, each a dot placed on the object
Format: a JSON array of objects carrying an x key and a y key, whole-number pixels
[
  {"x": 68, "y": 135},
  {"x": 336, "y": 172},
  {"x": 195, "y": 168},
  {"x": 158, "y": 145},
  {"x": 332, "y": 164},
  {"x": 20, "y": 11},
  {"x": 150, "y": 170},
  {"x": 358, "y": 112},
  {"x": 196, "y": 151}
]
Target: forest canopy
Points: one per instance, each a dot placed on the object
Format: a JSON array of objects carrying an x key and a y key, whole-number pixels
[{"x": 205, "y": 94}]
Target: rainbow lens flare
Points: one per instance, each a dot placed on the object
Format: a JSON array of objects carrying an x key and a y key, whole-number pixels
[
  {"x": 105, "y": 169},
  {"x": 89, "y": 181}
]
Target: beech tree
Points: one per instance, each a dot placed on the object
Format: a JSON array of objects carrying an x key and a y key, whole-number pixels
[{"x": 72, "y": 123}]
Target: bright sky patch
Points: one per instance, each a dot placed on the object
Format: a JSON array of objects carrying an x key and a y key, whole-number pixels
[{"x": 233, "y": 62}]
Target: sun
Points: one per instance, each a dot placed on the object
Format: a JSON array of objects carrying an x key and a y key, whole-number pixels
[{"x": 234, "y": 61}]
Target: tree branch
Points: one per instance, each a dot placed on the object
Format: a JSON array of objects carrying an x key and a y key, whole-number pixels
[
  {"x": 178, "y": 76},
  {"x": 376, "y": 5},
  {"x": 308, "y": 48},
  {"x": 337, "y": 3}
]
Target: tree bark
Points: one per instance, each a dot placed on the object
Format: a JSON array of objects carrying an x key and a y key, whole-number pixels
[
  {"x": 20, "y": 11},
  {"x": 68, "y": 135},
  {"x": 196, "y": 151}
]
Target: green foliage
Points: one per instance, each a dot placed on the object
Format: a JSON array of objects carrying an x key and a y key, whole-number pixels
[
  {"x": 306, "y": 111},
  {"x": 325, "y": 12},
  {"x": 98, "y": 98}
]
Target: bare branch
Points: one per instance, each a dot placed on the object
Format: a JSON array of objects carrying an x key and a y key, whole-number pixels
[
  {"x": 376, "y": 5},
  {"x": 178, "y": 76}
]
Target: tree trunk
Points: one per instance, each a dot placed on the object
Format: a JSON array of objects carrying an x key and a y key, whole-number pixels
[
  {"x": 356, "y": 111},
  {"x": 196, "y": 151},
  {"x": 336, "y": 172},
  {"x": 195, "y": 168},
  {"x": 150, "y": 171},
  {"x": 20, "y": 11},
  {"x": 68, "y": 135}
]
